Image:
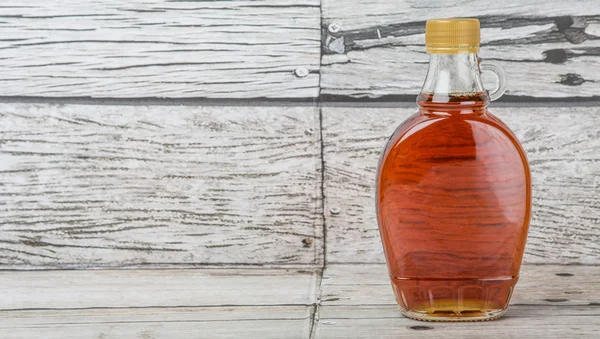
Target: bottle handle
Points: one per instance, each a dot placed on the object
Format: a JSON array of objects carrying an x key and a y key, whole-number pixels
[{"x": 500, "y": 73}]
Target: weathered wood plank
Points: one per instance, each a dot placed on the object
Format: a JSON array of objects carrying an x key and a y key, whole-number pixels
[
  {"x": 549, "y": 301},
  {"x": 156, "y": 48},
  {"x": 519, "y": 322},
  {"x": 91, "y": 186},
  {"x": 563, "y": 150},
  {"x": 273, "y": 303},
  {"x": 79, "y": 289},
  {"x": 203, "y": 303},
  {"x": 540, "y": 285},
  {"x": 160, "y": 323},
  {"x": 380, "y": 48}
]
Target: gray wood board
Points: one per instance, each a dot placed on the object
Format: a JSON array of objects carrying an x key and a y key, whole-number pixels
[
  {"x": 549, "y": 301},
  {"x": 203, "y": 303},
  {"x": 85, "y": 289},
  {"x": 563, "y": 147},
  {"x": 274, "y": 322},
  {"x": 177, "y": 49},
  {"x": 518, "y": 322},
  {"x": 355, "y": 301},
  {"x": 539, "y": 285},
  {"x": 91, "y": 186},
  {"x": 549, "y": 48}
]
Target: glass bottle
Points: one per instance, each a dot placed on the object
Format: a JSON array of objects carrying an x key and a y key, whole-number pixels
[{"x": 454, "y": 189}]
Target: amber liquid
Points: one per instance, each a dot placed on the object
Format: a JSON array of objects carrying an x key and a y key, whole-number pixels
[{"x": 453, "y": 205}]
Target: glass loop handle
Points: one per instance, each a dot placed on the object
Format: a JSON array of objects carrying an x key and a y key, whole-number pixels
[{"x": 500, "y": 74}]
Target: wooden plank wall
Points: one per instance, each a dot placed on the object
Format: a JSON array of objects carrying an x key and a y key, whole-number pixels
[
  {"x": 102, "y": 185},
  {"x": 379, "y": 50},
  {"x": 156, "y": 48},
  {"x": 563, "y": 151},
  {"x": 204, "y": 178}
]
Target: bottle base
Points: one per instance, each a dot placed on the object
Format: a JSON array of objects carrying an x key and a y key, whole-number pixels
[
  {"x": 451, "y": 316},
  {"x": 453, "y": 299}
]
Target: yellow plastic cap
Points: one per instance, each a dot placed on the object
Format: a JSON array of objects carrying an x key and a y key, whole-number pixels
[{"x": 450, "y": 36}]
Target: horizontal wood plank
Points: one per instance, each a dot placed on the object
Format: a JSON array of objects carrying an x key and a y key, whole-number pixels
[
  {"x": 167, "y": 303},
  {"x": 160, "y": 323},
  {"x": 549, "y": 301},
  {"x": 549, "y": 48},
  {"x": 563, "y": 150},
  {"x": 356, "y": 302},
  {"x": 82, "y": 289},
  {"x": 540, "y": 285},
  {"x": 175, "y": 49},
  {"x": 519, "y": 322},
  {"x": 111, "y": 186}
]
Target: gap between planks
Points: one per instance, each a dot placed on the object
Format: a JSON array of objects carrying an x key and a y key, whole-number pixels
[
  {"x": 319, "y": 281},
  {"x": 402, "y": 101}
]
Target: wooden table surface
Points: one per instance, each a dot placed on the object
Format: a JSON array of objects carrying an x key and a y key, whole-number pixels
[{"x": 345, "y": 301}]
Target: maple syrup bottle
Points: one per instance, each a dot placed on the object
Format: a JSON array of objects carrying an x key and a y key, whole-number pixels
[{"x": 454, "y": 189}]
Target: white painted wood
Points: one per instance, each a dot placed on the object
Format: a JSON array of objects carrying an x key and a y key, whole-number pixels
[
  {"x": 77, "y": 289},
  {"x": 150, "y": 314},
  {"x": 563, "y": 148},
  {"x": 91, "y": 186},
  {"x": 157, "y": 48},
  {"x": 362, "y": 14},
  {"x": 356, "y": 302},
  {"x": 167, "y": 303},
  {"x": 160, "y": 323},
  {"x": 391, "y": 311},
  {"x": 519, "y": 322},
  {"x": 549, "y": 48},
  {"x": 550, "y": 301},
  {"x": 540, "y": 285}
]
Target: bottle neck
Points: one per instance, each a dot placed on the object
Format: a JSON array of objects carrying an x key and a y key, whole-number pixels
[{"x": 453, "y": 78}]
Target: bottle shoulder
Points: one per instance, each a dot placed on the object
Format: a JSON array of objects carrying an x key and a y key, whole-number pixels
[
  {"x": 420, "y": 123},
  {"x": 439, "y": 133}
]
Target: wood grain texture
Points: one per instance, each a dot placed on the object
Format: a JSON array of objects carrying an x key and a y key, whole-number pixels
[
  {"x": 160, "y": 323},
  {"x": 539, "y": 285},
  {"x": 157, "y": 48},
  {"x": 355, "y": 301},
  {"x": 563, "y": 146},
  {"x": 82, "y": 289},
  {"x": 520, "y": 321},
  {"x": 166, "y": 303},
  {"x": 94, "y": 186},
  {"x": 549, "y": 48},
  {"x": 549, "y": 301}
]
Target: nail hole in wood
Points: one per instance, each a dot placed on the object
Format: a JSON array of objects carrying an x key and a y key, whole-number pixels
[
  {"x": 334, "y": 27},
  {"x": 571, "y": 79},
  {"x": 301, "y": 72},
  {"x": 555, "y": 56},
  {"x": 307, "y": 242},
  {"x": 563, "y": 22}
]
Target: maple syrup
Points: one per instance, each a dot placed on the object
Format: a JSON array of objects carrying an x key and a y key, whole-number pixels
[{"x": 453, "y": 202}]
